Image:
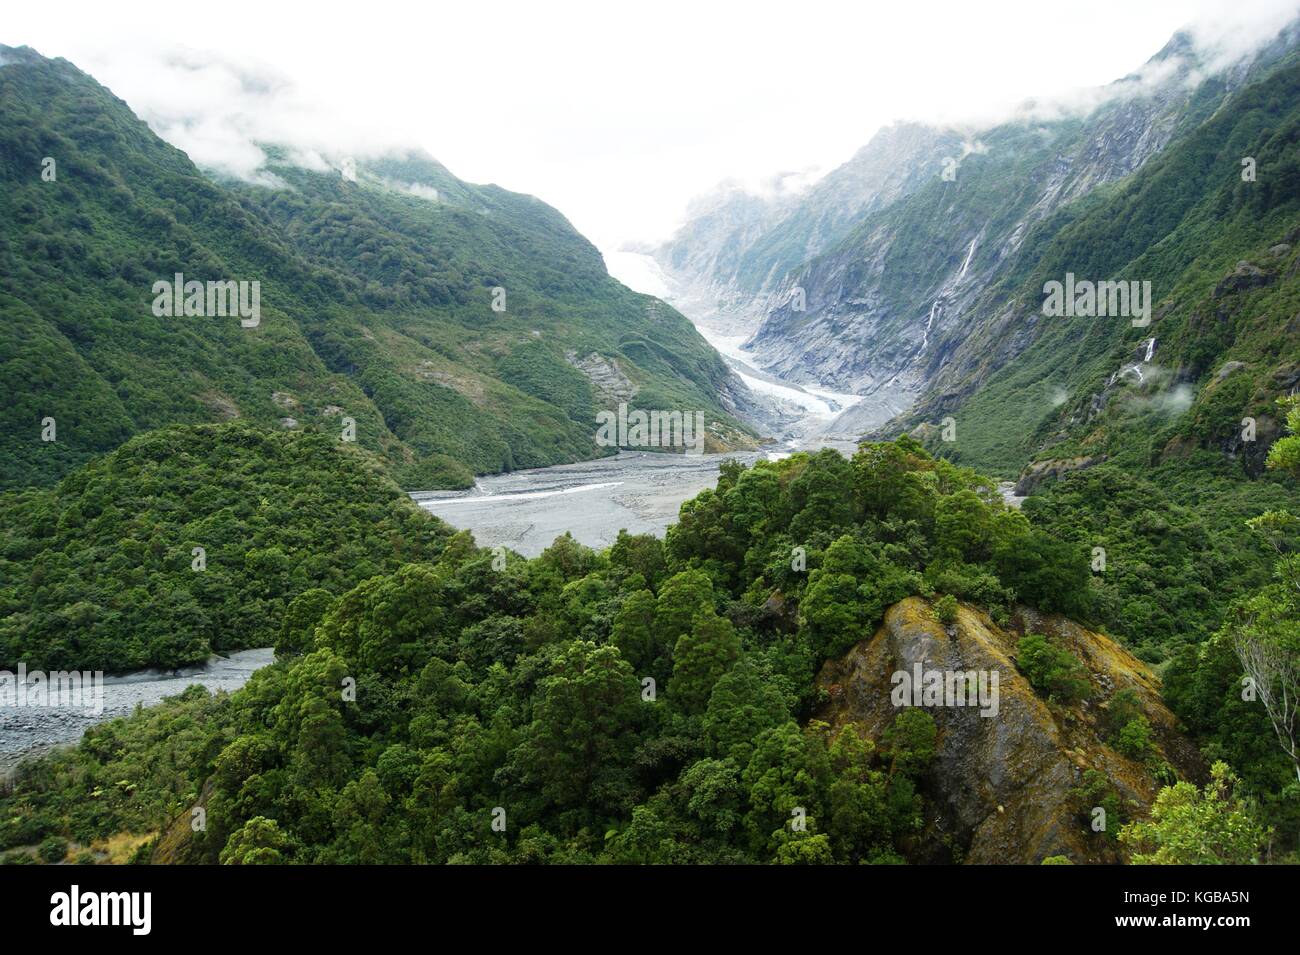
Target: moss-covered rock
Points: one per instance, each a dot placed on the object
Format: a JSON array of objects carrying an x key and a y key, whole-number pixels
[{"x": 1006, "y": 787}]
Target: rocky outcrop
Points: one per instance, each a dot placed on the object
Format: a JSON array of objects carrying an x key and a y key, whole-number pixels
[
  {"x": 1244, "y": 277},
  {"x": 1039, "y": 471},
  {"x": 176, "y": 843},
  {"x": 1003, "y": 788},
  {"x": 605, "y": 376}
]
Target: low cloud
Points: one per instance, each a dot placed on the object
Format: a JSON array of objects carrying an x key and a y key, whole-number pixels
[{"x": 221, "y": 109}]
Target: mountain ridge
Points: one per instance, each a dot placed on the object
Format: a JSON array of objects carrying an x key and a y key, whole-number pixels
[{"x": 378, "y": 303}]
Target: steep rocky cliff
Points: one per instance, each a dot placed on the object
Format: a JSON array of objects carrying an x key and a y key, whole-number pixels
[
  {"x": 907, "y": 294},
  {"x": 1010, "y": 787},
  {"x": 729, "y": 262}
]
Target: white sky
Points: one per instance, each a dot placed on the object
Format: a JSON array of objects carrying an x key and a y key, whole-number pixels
[{"x": 616, "y": 113}]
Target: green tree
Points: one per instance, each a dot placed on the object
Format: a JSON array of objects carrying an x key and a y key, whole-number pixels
[
  {"x": 683, "y": 597},
  {"x": 257, "y": 842},
  {"x": 700, "y": 658},
  {"x": 1285, "y": 453},
  {"x": 584, "y": 731},
  {"x": 637, "y": 637},
  {"x": 743, "y": 704},
  {"x": 298, "y": 627},
  {"x": 1190, "y": 826},
  {"x": 847, "y": 595},
  {"x": 1051, "y": 670}
]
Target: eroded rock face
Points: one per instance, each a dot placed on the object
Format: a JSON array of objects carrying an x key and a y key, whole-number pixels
[
  {"x": 605, "y": 376},
  {"x": 1040, "y": 471},
  {"x": 1001, "y": 785}
]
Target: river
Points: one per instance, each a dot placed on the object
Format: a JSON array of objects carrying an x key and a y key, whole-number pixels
[
  {"x": 28, "y": 730},
  {"x": 641, "y": 492},
  {"x": 526, "y": 510}
]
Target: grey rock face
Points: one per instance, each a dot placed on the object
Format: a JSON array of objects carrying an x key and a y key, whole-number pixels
[
  {"x": 886, "y": 279},
  {"x": 1003, "y": 786}
]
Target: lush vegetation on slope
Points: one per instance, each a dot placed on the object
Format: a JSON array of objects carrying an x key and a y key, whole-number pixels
[
  {"x": 1174, "y": 447},
  {"x": 1238, "y": 690},
  {"x": 1177, "y": 548},
  {"x": 101, "y": 572},
  {"x": 1220, "y": 254},
  {"x": 645, "y": 704},
  {"x": 376, "y": 303}
]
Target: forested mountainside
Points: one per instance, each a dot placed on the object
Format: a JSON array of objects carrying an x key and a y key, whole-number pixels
[
  {"x": 882, "y": 308},
  {"x": 464, "y": 329},
  {"x": 1223, "y": 340},
  {"x": 194, "y": 539},
  {"x": 677, "y": 700},
  {"x": 735, "y": 691},
  {"x": 1151, "y": 441},
  {"x": 1146, "y": 446}
]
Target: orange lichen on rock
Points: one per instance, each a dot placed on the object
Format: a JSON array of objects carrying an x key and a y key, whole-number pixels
[{"x": 1003, "y": 786}]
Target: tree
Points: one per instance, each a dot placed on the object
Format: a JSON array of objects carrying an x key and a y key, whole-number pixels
[
  {"x": 360, "y": 814},
  {"x": 1052, "y": 670},
  {"x": 1285, "y": 453},
  {"x": 639, "y": 554},
  {"x": 1264, "y": 630},
  {"x": 1134, "y": 739},
  {"x": 583, "y": 732},
  {"x": 848, "y": 594},
  {"x": 386, "y": 624},
  {"x": 637, "y": 638},
  {"x": 911, "y": 742},
  {"x": 681, "y": 599},
  {"x": 257, "y": 842},
  {"x": 857, "y": 814},
  {"x": 1189, "y": 826},
  {"x": 700, "y": 658},
  {"x": 743, "y": 704},
  {"x": 820, "y": 496},
  {"x": 297, "y": 629},
  {"x": 945, "y": 609},
  {"x": 963, "y": 524},
  {"x": 713, "y": 795},
  {"x": 782, "y": 780}
]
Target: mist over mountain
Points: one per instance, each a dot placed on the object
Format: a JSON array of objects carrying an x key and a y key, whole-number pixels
[
  {"x": 982, "y": 547},
  {"x": 464, "y": 329},
  {"x": 868, "y": 281}
]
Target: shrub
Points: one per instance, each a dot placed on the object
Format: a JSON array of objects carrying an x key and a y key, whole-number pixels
[
  {"x": 1135, "y": 739},
  {"x": 53, "y": 849},
  {"x": 945, "y": 609},
  {"x": 1124, "y": 707},
  {"x": 1051, "y": 670}
]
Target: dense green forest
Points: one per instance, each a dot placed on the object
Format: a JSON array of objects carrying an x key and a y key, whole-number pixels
[
  {"x": 450, "y": 329},
  {"x": 650, "y": 703},
  {"x": 660, "y": 701},
  {"x": 189, "y": 540},
  {"x": 526, "y": 687}
]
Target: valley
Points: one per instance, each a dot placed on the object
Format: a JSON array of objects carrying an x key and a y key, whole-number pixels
[{"x": 393, "y": 554}]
